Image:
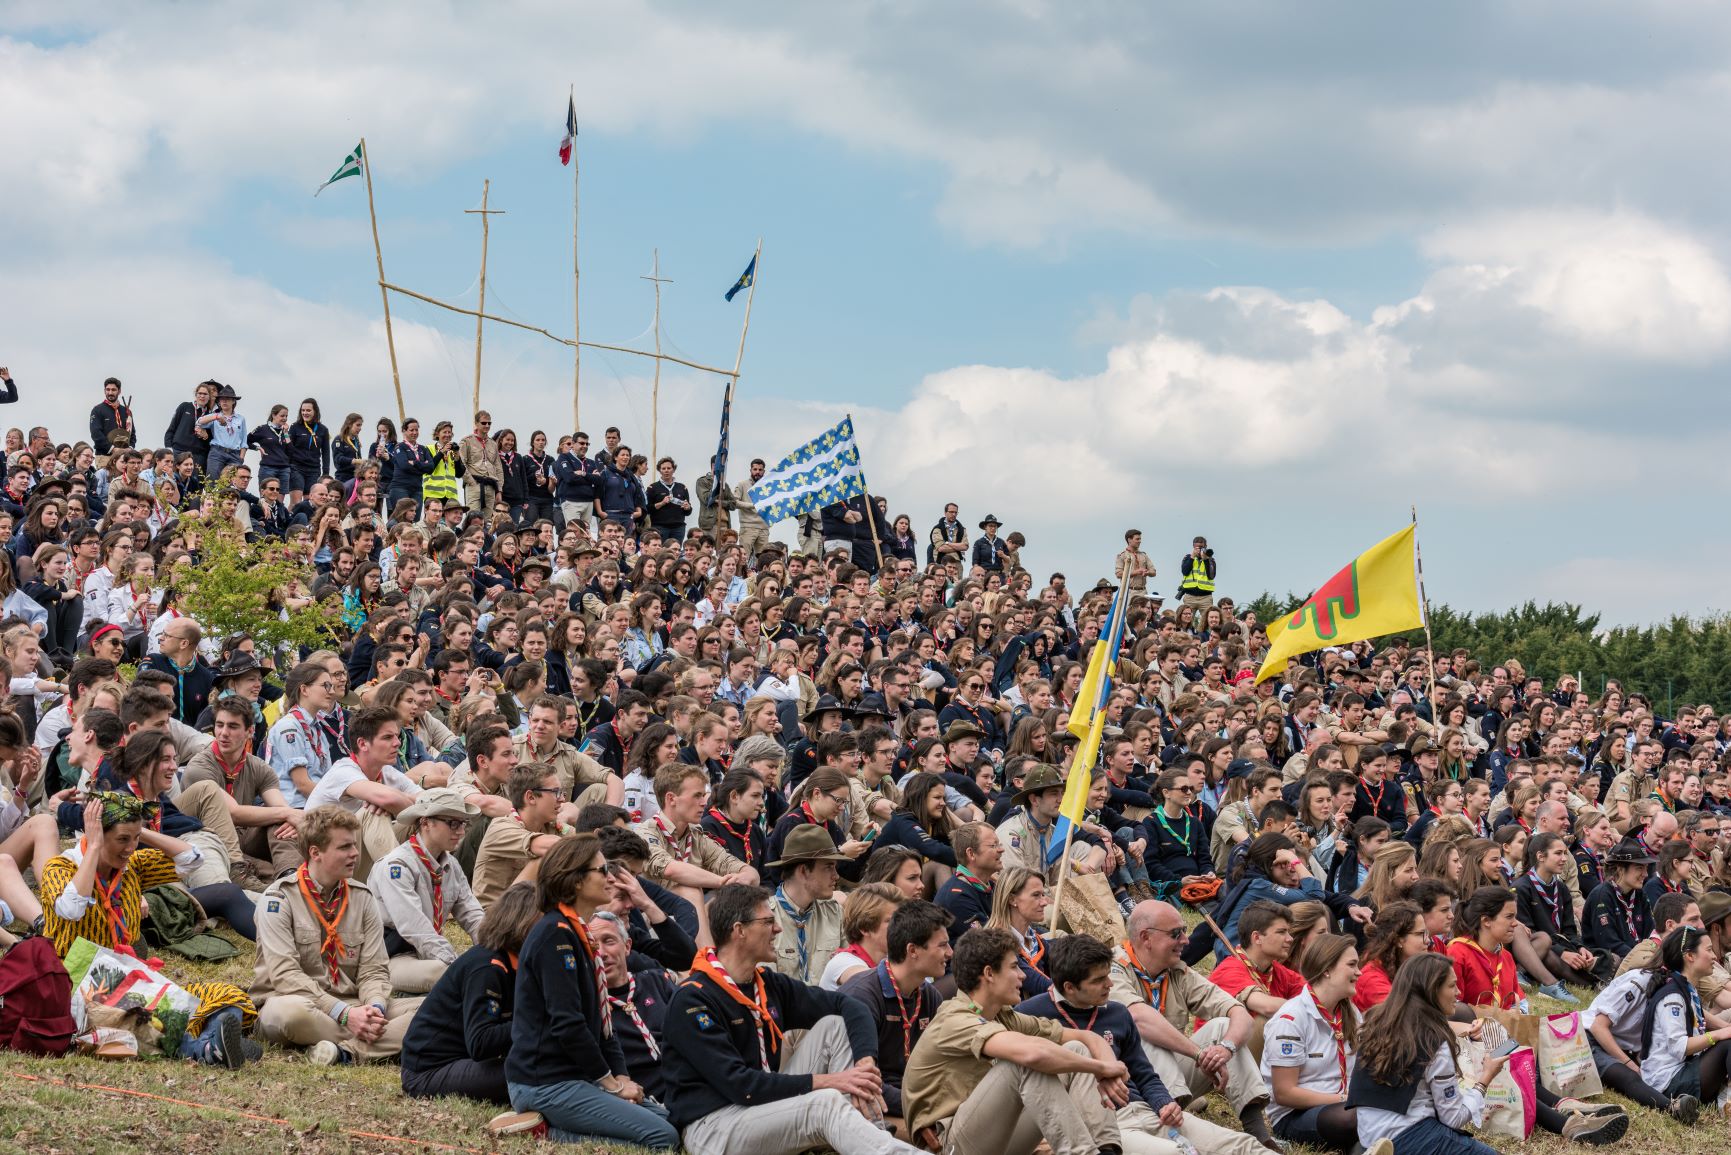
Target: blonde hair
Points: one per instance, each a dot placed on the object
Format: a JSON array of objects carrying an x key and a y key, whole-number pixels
[{"x": 868, "y": 908}]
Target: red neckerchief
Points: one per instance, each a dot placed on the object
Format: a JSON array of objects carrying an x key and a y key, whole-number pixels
[
  {"x": 108, "y": 900},
  {"x": 908, "y": 1016},
  {"x": 681, "y": 852},
  {"x": 743, "y": 836},
  {"x": 230, "y": 774},
  {"x": 582, "y": 933},
  {"x": 858, "y": 951},
  {"x": 329, "y": 914},
  {"x": 769, "y": 1031},
  {"x": 156, "y": 816},
  {"x": 628, "y": 1004},
  {"x": 438, "y": 877},
  {"x": 1337, "y": 1025},
  {"x": 1376, "y": 799}
]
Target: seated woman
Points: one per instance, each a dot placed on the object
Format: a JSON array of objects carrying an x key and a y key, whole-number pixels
[
  {"x": 457, "y": 1043},
  {"x": 865, "y": 927},
  {"x": 922, "y": 822},
  {"x": 1652, "y": 1040},
  {"x": 565, "y": 1063},
  {"x": 823, "y": 796},
  {"x": 1309, "y": 1051},
  {"x": 1404, "y": 1085},
  {"x": 95, "y": 890},
  {"x": 1399, "y": 936},
  {"x": 1019, "y": 900},
  {"x": 898, "y": 866}
]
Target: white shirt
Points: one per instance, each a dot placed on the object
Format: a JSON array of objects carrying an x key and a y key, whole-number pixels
[
  {"x": 640, "y": 796},
  {"x": 331, "y": 790},
  {"x": 1622, "y": 1004},
  {"x": 838, "y": 970},
  {"x": 1670, "y": 1037},
  {"x": 1441, "y": 1095},
  {"x": 1298, "y": 1036}
]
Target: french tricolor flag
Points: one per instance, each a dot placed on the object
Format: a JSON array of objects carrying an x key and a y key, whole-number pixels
[{"x": 570, "y": 141}]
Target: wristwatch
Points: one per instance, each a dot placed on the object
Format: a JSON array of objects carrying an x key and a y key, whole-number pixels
[{"x": 1231, "y": 1047}]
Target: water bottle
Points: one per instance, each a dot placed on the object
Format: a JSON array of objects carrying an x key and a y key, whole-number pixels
[{"x": 1177, "y": 1139}]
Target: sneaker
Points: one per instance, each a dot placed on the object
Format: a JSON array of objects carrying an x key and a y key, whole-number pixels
[
  {"x": 254, "y": 1052},
  {"x": 1126, "y": 904},
  {"x": 325, "y": 1053},
  {"x": 229, "y": 1043},
  {"x": 516, "y": 1123},
  {"x": 1686, "y": 1109},
  {"x": 1595, "y": 1129},
  {"x": 1582, "y": 1107},
  {"x": 1559, "y": 992}
]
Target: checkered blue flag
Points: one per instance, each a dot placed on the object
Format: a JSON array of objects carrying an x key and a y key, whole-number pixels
[{"x": 821, "y": 472}]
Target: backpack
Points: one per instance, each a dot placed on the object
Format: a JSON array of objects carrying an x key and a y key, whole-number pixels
[{"x": 35, "y": 1000}]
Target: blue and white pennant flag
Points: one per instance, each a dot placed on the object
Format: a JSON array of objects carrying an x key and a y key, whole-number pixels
[{"x": 821, "y": 472}]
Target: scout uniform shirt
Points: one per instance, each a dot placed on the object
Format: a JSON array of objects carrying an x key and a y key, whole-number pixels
[
  {"x": 806, "y": 943},
  {"x": 949, "y": 1060},
  {"x": 290, "y": 961},
  {"x": 505, "y": 851},
  {"x": 575, "y": 770},
  {"x": 1180, "y": 994},
  {"x": 696, "y": 847},
  {"x": 1026, "y": 844},
  {"x": 404, "y": 889},
  {"x": 1298, "y": 1036}
]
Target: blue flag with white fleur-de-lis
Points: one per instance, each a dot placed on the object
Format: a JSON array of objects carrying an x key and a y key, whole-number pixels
[{"x": 821, "y": 472}]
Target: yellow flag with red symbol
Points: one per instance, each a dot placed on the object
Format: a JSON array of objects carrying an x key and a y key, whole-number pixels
[{"x": 1376, "y": 594}]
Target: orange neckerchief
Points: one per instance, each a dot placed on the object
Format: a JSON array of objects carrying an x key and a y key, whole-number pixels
[
  {"x": 329, "y": 914},
  {"x": 595, "y": 966},
  {"x": 709, "y": 965},
  {"x": 1154, "y": 990}
]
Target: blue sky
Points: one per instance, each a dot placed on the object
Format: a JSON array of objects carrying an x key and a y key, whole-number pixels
[{"x": 1266, "y": 273}]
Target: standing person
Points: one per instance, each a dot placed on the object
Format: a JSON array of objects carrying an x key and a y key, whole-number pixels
[
  {"x": 109, "y": 416},
  {"x": 578, "y": 481},
  {"x": 419, "y": 885},
  {"x": 541, "y": 481},
  {"x": 989, "y": 552},
  {"x": 346, "y": 449},
  {"x": 1196, "y": 586},
  {"x": 948, "y": 539},
  {"x": 669, "y": 503},
  {"x": 322, "y": 979},
  {"x": 987, "y": 1078},
  {"x": 184, "y": 434},
  {"x": 441, "y": 484},
  {"x": 1134, "y": 567},
  {"x": 713, "y": 509},
  {"x": 479, "y": 457},
  {"x": 457, "y": 1044},
  {"x": 411, "y": 462},
  {"x": 753, "y": 530},
  {"x": 309, "y": 449},
  {"x": 227, "y": 433},
  {"x": 565, "y": 1062},
  {"x": 734, "y": 1087}
]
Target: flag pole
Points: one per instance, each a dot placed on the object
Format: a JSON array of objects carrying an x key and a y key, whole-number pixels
[
  {"x": 745, "y": 327},
  {"x": 655, "y": 390},
  {"x": 1424, "y": 606},
  {"x": 871, "y": 508},
  {"x": 576, "y": 282},
  {"x": 481, "y": 309},
  {"x": 384, "y": 294}
]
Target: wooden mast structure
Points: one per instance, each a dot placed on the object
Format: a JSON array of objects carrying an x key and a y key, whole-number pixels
[
  {"x": 655, "y": 390},
  {"x": 481, "y": 309},
  {"x": 378, "y": 253}
]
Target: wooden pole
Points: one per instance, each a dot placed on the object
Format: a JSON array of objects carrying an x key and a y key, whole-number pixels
[
  {"x": 745, "y": 327},
  {"x": 481, "y": 309},
  {"x": 1424, "y": 607},
  {"x": 378, "y": 253},
  {"x": 577, "y": 312},
  {"x": 655, "y": 390},
  {"x": 498, "y": 320},
  {"x": 871, "y": 509}
]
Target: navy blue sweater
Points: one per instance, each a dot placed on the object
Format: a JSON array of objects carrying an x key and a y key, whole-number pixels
[
  {"x": 1112, "y": 1022},
  {"x": 556, "y": 1028}
]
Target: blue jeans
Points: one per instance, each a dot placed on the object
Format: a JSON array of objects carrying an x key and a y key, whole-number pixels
[
  {"x": 283, "y": 473},
  {"x": 578, "y": 1111},
  {"x": 1131, "y": 871},
  {"x": 1432, "y": 1137},
  {"x": 193, "y": 1048},
  {"x": 220, "y": 459}
]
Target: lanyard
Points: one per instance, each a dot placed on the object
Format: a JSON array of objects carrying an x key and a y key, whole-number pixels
[{"x": 1074, "y": 1025}]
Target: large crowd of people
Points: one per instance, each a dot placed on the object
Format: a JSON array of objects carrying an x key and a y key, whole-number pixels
[{"x": 753, "y": 849}]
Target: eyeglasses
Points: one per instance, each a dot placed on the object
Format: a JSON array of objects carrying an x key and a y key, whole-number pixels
[
  {"x": 456, "y": 823},
  {"x": 1175, "y": 933},
  {"x": 545, "y": 790},
  {"x": 768, "y": 920},
  {"x": 839, "y": 800}
]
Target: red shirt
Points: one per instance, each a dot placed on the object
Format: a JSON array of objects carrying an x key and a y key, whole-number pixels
[
  {"x": 1234, "y": 975},
  {"x": 1485, "y": 979},
  {"x": 1373, "y": 986}
]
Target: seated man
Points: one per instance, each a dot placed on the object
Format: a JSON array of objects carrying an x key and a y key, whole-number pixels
[
  {"x": 1027, "y": 836},
  {"x": 732, "y": 1087},
  {"x": 1256, "y": 973},
  {"x": 986, "y": 1079},
  {"x": 583, "y": 779},
  {"x": 419, "y": 885},
  {"x": 681, "y": 856},
  {"x": 267, "y": 826},
  {"x": 368, "y": 784},
  {"x": 1081, "y": 971},
  {"x": 524, "y": 835},
  {"x": 805, "y": 905},
  {"x": 639, "y": 990},
  {"x": 967, "y": 896},
  {"x": 322, "y": 978},
  {"x": 899, "y": 991},
  {"x": 1165, "y": 996}
]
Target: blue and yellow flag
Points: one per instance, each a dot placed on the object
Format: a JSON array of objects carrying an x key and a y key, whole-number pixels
[
  {"x": 745, "y": 278},
  {"x": 1088, "y": 722}
]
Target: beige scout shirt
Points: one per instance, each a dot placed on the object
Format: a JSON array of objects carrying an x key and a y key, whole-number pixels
[
  {"x": 289, "y": 961},
  {"x": 1186, "y": 996},
  {"x": 505, "y": 850},
  {"x": 696, "y": 847},
  {"x": 803, "y": 956},
  {"x": 949, "y": 1060},
  {"x": 576, "y": 770}
]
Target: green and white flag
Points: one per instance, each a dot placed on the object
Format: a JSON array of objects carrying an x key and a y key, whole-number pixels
[{"x": 351, "y": 166}]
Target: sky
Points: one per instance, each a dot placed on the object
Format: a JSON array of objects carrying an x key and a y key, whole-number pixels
[{"x": 1273, "y": 273}]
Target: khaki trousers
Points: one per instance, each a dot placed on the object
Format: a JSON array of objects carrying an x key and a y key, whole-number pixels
[
  {"x": 789, "y": 1126},
  {"x": 378, "y": 839},
  {"x": 1144, "y": 1134},
  {"x": 1186, "y": 1081},
  {"x": 1013, "y": 1108},
  {"x": 752, "y": 542},
  {"x": 297, "y": 1021},
  {"x": 1201, "y": 603},
  {"x": 271, "y": 857},
  {"x": 415, "y": 976},
  {"x": 206, "y": 802}
]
